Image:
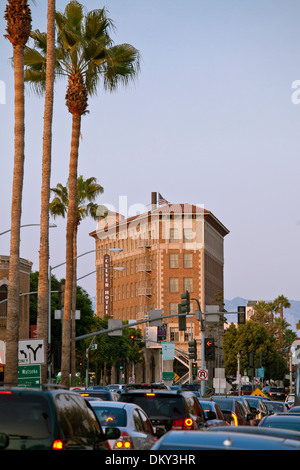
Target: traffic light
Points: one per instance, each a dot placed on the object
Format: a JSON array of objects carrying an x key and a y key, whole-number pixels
[
  {"x": 194, "y": 369},
  {"x": 85, "y": 363},
  {"x": 185, "y": 302},
  {"x": 209, "y": 349},
  {"x": 241, "y": 315},
  {"x": 193, "y": 349},
  {"x": 122, "y": 364},
  {"x": 181, "y": 319},
  {"x": 263, "y": 359}
]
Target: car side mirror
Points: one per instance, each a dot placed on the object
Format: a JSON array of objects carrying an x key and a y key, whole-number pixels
[
  {"x": 112, "y": 433},
  {"x": 4, "y": 440}
]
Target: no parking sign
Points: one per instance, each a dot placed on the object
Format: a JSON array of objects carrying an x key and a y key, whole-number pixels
[{"x": 202, "y": 374}]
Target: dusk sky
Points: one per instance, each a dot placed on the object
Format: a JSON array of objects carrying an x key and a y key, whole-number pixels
[{"x": 212, "y": 119}]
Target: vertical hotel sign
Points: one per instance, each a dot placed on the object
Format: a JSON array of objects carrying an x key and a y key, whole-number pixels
[{"x": 106, "y": 284}]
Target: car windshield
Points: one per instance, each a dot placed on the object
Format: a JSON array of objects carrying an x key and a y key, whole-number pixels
[
  {"x": 246, "y": 388},
  {"x": 24, "y": 416},
  {"x": 158, "y": 405},
  {"x": 277, "y": 389},
  {"x": 293, "y": 426},
  {"x": 109, "y": 416}
]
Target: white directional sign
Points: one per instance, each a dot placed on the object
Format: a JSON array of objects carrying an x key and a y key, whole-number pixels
[
  {"x": 202, "y": 374},
  {"x": 31, "y": 351}
]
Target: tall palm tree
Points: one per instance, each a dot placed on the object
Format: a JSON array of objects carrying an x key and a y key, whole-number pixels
[
  {"x": 85, "y": 54},
  {"x": 43, "y": 285},
  {"x": 282, "y": 302},
  {"x": 18, "y": 18},
  {"x": 87, "y": 192}
]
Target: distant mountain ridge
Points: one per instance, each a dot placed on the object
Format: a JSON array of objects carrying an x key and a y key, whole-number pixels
[{"x": 291, "y": 315}]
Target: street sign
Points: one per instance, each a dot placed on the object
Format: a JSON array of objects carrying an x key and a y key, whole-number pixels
[
  {"x": 168, "y": 376},
  {"x": 29, "y": 376},
  {"x": 257, "y": 392},
  {"x": 31, "y": 351},
  {"x": 202, "y": 374}
]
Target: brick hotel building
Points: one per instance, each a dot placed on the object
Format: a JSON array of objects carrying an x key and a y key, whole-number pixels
[{"x": 166, "y": 251}]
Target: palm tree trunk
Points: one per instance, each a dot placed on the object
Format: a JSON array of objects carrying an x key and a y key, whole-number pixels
[
  {"x": 73, "y": 324},
  {"x": 65, "y": 362},
  {"x": 13, "y": 302},
  {"x": 43, "y": 285}
]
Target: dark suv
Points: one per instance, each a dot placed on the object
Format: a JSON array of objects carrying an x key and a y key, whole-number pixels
[
  {"x": 168, "y": 409},
  {"x": 276, "y": 393},
  {"x": 50, "y": 419}
]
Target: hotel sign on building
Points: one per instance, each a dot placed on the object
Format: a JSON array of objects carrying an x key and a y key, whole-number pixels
[{"x": 106, "y": 284}]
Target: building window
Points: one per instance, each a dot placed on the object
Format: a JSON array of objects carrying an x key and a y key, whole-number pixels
[
  {"x": 188, "y": 284},
  {"x": 173, "y": 308},
  {"x": 174, "y": 334},
  {"x": 173, "y": 260},
  {"x": 173, "y": 235},
  {"x": 174, "y": 284},
  {"x": 187, "y": 260},
  {"x": 187, "y": 235}
]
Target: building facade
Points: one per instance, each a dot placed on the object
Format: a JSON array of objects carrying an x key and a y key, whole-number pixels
[
  {"x": 25, "y": 270},
  {"x": 167, "y": 251}
]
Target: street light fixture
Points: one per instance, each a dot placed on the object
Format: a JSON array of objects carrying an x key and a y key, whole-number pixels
[{"x": 28, "y": 225}]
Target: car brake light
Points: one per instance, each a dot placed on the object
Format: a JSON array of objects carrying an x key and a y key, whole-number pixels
[
  {"x": 57, "y": 445},
  {"x": 6, "y": 392},
  {"x": 181, "y": 423},
  {"x": 124, "y": 442},
  {"x": 150, "y": 394},
  {"x": 234, "y": 419}
]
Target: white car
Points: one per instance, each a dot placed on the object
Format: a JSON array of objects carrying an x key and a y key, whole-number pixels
[{"x": 136, "y": 431}]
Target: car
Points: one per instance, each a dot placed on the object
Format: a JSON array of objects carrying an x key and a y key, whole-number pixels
[
  {"x": 274, "y": 392},
  {"x": 242, "y": 399},
  {"x": 294, "y": 409},
  {"x": 274, "y": 407},
  {"x": 233, "y": 411},
  {"x": 106, "y": 395},
  {"x": 260, "y": 430},
  {"x": 98, "y": 387},
  {"x": 217, "y": 440},
  {"x": 282, "y": 420},
  {"x": 145, "y": 386},
  {"x": 212, "y": 412},
  {"x": 136, "y": 431},
  {"x": 116, "y": 387},
  {"x": 257, "y": 407},
  {"x": 168, "y": 409},
  {"x": 50, "y": 418}
]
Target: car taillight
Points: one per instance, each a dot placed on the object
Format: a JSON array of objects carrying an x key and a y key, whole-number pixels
[
  {"x": 124, "y": 442},
  {"x": 234, "y": 421},
  {"x": 5, "y": 392},
  {"x": 58, "y": 445},
  {"x": 182, "y": 424}
]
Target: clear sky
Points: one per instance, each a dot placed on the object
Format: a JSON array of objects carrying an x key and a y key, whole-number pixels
[{"x": 212, "y": 119}]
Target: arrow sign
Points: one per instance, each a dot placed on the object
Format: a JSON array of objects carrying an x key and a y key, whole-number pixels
[{"x": 31, "y": 351}]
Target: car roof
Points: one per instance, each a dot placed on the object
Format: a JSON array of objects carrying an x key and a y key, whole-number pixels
[
  {"x": 161, "y": 392},
  {"x": 279, "y": 417},
  {"x": 225, "y": 440},
  {"x": 259, "y": 430}
]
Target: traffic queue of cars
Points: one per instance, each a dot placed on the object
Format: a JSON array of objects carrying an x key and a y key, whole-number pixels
[{"x": 143, "y": 417}]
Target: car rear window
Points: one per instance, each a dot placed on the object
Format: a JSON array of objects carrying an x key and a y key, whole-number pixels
[
  {"x": 24, "y": 416},
  {"x": 225, "y": 405},
  {"x": 109, "y": 416},
  {"x": 157, "y": 405}
]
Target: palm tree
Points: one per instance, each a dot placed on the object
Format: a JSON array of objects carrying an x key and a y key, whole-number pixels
[
  {"x": 87, "y": 191},
  {"x": 85, "y": 53},
  {"x": 18, "y": 18},
  {"x": 43, "y": 284},
  {"x": 282, "y": 302}
]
